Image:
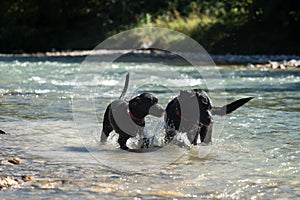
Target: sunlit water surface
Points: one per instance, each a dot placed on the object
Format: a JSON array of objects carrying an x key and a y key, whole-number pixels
[{"x": 255, "y": 154}]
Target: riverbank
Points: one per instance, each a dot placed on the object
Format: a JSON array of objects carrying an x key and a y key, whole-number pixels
[{"x": 154, "y": 55}]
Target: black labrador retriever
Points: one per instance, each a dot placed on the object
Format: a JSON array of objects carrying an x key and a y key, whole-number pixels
[
  {"x": 127, "y": 118},
  {"x": 191, "y": 112}
]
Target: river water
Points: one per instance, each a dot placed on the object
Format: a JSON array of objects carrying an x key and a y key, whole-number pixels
[{"x": 52, "y": 125}]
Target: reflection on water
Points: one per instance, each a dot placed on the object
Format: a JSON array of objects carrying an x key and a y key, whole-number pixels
[{"x": 256, "y": 155}]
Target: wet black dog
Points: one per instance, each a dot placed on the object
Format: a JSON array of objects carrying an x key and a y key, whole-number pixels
[
  {"x": 191, "y": 112},
  {"x": 127, "y": 118}
]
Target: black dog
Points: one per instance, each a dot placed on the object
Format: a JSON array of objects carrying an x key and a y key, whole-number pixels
[
  {"x": 127, "y": 119},
  {"x": 191, "y": 112}
]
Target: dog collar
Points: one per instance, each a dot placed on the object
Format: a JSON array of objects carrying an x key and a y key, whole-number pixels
[{"x": 134, "y": 117}]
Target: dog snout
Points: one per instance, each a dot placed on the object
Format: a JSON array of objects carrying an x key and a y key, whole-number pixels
[{"x": 157, "y": 110}]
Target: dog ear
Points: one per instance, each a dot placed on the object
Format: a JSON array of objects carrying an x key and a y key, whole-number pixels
[
  {"x": 224, "y": 110},
  {"x": 135, "y": 101},
  {"x": 138, "y": 99}
]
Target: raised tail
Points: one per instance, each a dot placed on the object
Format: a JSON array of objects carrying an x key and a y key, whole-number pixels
[
  {"x": 224, "y": 110},
  {"x": 125, "y": 87}
]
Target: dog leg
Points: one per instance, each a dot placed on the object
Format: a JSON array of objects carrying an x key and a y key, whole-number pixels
[
  {"x": 194, "y": 142},
  {"x": 107, "y": 128},
  {"x": 170, "y": 134},
  {"x": 122, "y": 140},
  {"x": 147, "y": 142},
  {"x": 206, "y": 133}
]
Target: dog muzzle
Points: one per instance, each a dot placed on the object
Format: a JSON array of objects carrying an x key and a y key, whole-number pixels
[{"x": 156, "y": 110}]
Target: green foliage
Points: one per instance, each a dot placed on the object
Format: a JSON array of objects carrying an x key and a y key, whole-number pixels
[{"x": 228, "y": 26}]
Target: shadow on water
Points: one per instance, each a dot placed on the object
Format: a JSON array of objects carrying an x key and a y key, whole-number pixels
[{"x": 77, "y": 149}]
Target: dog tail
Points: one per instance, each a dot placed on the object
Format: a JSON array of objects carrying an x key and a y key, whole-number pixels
[
  {"x": 224, "y": 110},
  {"x": 125, "y": 87},
  {"x": 2, "y": 132}
]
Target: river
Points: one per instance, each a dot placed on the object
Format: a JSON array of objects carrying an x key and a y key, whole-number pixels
[{"x": 52, "y": 126}]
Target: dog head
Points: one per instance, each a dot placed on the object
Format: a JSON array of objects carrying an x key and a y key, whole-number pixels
[
  {"x": 145, "y": 104},
  {"x": 195, "y": 105}
]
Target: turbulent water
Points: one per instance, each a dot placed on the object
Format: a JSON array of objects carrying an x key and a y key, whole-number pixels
[{"x": 52, "y": 110}]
